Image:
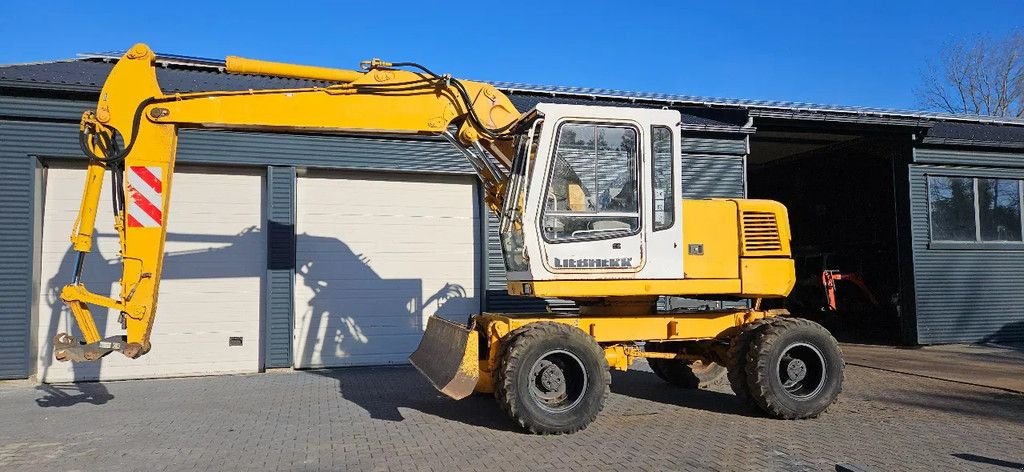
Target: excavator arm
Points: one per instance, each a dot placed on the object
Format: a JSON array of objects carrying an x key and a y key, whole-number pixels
[{"x": 133, "y": 135}]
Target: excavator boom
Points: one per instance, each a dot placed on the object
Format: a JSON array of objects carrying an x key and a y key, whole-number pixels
[{"x": 133, "y": 135}]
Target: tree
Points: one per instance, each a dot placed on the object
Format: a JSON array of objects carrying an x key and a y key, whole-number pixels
[{"x": 980, "y": 76}]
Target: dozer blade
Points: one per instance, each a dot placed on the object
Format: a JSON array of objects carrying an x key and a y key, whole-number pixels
[{"x": 448, "y": 356}]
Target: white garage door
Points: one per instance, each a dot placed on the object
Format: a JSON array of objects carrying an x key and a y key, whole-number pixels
[
  {"x": 211, "y": 288},
  {"x": 376, "y": 257}
]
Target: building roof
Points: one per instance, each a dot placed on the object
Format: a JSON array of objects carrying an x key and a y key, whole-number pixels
[
  {"x": 764, "y": 106},
  {"x": 88, "y": 75},
  {"x": 189, "y": 74}
]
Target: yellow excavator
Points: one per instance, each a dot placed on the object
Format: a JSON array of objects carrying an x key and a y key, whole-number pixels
[{"x": 590, "y": 211}]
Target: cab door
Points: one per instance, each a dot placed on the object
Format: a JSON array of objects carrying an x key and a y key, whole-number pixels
[{"x": 596, "y": 209}]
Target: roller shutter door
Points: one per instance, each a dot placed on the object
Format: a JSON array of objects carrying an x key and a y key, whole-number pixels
[
  {"x": 211, "y": 287},
  {"x": 376, "y": 256}
]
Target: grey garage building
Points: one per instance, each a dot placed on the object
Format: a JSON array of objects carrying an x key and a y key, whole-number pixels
[{"x": 304, "y": 247}]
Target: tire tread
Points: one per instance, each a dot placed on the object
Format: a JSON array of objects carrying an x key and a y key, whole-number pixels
[
  {"x": 736, "y": 356},
  {"x": 514, "y": 347},
  {"x": 758, "y": 364}
]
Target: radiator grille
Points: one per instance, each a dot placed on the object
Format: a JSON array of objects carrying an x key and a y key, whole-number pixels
[{"x": 760, "y": 232}]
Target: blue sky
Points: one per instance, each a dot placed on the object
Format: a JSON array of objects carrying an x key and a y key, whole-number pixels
[{"x": 844, "y": 52}]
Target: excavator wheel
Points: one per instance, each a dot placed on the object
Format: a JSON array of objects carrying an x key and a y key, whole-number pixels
[
  {"x": 551, "y": 378},
  {"x": 736, "y": 357},
  {"x": 794, "y": 369},
  {"x": 683, "y": 373}
]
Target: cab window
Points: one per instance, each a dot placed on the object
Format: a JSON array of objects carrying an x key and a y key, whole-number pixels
[
  {"x": 592, "y": 190},
  {"x": 661, "y": 168}
]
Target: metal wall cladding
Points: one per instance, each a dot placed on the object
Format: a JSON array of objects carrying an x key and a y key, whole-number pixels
[
  {"x": 16, "y": 236},
  {"x": 43, "y": 108},
  {"x": 969, "y": 158},
  {"x": 714, "y": 176},
  {"x": 316, "y": 151},
  {"x": 279, "y": 308},
  {"x": 970, "y": 293},
  {"x": 20, "y": 143},
  {"x": 714, "y": 167},
  {"x": 735, "y": 145},
  {"x": 495, "y": 267}
]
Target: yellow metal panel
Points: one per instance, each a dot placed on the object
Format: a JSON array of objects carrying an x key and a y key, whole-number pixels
[
  {"x": 618, "y": 358},
  {"x": 711, "y": 224},
  {"x": 654, "y": 327},
  {"x": 81, "y": 235},
  {"x": 767, "y": 277},
  {"x": 623, "y": 288},
  {"x": 241, "y": 65}
]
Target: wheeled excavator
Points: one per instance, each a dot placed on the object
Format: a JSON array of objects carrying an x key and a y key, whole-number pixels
[{"x": 590, "y": 209}]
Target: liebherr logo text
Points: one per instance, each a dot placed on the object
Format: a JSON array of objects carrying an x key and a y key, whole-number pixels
[{"x": 588, "y": 263}]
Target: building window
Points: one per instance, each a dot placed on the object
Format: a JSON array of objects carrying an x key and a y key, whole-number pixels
[
  {"x": 965, "y": 209},
  {"x": 593, "y": 190},
  {"x": 952, "y": 207},
  {"x": 999, "y": 209},
  {"x": 661, "y": 166}
]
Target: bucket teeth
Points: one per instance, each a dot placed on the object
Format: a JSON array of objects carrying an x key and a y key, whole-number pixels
[{"x": 448, "y": 356}]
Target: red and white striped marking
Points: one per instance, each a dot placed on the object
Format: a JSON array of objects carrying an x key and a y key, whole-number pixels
[{"x": 145, "y": 197}]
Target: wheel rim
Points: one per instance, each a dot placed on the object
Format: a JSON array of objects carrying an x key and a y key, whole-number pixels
[
  {"x": 558, "y": 381},
  {"x": 801, "y": 371}
]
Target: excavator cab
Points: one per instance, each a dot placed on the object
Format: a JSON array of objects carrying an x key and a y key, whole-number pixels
[{"x": 592, "y": 195}]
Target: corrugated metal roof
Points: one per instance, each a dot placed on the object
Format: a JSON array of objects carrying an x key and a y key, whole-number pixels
[
  {"x": 671, "y": 99},
  {"x": 88, "y": 76},
  {"x": 186, "y": 74},
  {"x": 975, "y": 133}
]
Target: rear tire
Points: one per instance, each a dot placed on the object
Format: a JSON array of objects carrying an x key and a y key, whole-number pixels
[
  {"x": 683, "y": 373},
  {"x": 794, "y": 369},
  {"x": 736, "y": 357},
  {"x": 552, "y": 378}
]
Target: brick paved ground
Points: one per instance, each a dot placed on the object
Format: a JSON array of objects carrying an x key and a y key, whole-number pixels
[{"x": 391, "y": 419}]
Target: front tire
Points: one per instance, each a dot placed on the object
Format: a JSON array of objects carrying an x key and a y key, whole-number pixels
[
  {"x": 794, "y": 369},
  {"x": 552, "y": 378}
]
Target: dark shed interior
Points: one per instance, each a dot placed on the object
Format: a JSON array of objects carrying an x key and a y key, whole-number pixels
[{"x": 838, "y": 184}]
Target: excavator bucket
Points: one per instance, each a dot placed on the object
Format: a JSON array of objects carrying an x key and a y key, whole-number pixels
[{"x": 448, "y": 356}]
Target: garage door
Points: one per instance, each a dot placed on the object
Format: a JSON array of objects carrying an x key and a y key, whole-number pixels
[
  {"x": 211, "y": 287},
  {"x": 375, "y": 258}
]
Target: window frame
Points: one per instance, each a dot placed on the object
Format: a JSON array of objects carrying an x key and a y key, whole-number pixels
[
  {"x": 553, "y": 148},
  {"x": 978, "y": 242}
]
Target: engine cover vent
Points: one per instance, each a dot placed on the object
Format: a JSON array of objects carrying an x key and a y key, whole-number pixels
[{"x": 760, "y": 232}]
